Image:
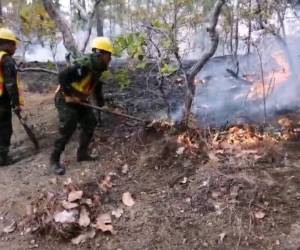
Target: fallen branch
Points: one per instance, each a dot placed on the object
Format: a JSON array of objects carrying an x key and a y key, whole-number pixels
[{"x": 38, "y": 70}]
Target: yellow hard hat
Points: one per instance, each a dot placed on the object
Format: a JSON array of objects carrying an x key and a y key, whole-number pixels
[
  {"x": 7, "y": 34},
  {"x": 102, "y": 43}
]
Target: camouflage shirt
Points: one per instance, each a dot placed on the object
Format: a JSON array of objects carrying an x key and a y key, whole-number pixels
[{"x": 79, "y": 70}]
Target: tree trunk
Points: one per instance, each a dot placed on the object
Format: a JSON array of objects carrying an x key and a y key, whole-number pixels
[
  {"x": 260, "y": 14},
  {"x": 281, "y": 21},
  {"x": 99, "y": 20},
  {"x": 110, "y": 20},
  {"x": 90, "y": 24},
  {"x": 83, "y": 4},
  {"x": 1, "y": 14},
  {"x": 68, "y": 39},
  {"x": 191, "y": 74},
  {"x": 236, "y": 34},
  {"x": 249, "y": 29}
]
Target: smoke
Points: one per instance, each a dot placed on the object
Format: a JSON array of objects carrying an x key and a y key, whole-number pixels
[
  {"x": 37, "y": 52},
  {"x": 224, "y": 97}
]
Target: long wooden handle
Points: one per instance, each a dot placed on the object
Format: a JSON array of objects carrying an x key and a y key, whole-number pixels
[
  {"x": 106, "y": 110},
  {"x": 28, "y": 131}
]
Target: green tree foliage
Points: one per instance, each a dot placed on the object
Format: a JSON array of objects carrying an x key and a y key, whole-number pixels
[
  {"x": 36, "y": 22},
  {"x": 132, "y": 43}
]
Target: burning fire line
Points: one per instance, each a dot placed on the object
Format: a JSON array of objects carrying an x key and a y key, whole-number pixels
[{"x": 273, "y": 80}]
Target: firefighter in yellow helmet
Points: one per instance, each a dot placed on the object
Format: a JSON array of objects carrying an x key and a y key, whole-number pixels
[
  {"x": 10, "y": 96},
  {"x": 77, "y": 83}
]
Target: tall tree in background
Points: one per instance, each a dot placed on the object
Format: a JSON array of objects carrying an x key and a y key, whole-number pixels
[
  {"x": 68, "y": 39},
  {"x": 1, "y": 15},
  {"x": 99, "y": 20},
  {"x": 64, "y": 27}
]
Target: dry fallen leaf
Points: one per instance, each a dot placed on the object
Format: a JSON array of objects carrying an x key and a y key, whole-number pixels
[
  {"x": 215, "y": 194},
  {"x": 125, "y": 169},
  {"x": 65, "y": 216},
  {"x": 103, "y": 223},
  {"x": 69, "y": 205},
  {"x": 184, "y": 180},
  {"x": 212, "y": 156},
  {"x": 50, "y": 195},
  {"x": 69, "y": 186},
  {"x": 68, "y": 181},
  {"x": 222, "y": 236},
  {"x": 83, "y": 237},
  {"x": 117, "y": 212},
  {"x": 29, "y": 210},
  {"x": 127, "y": 199},
  {"x": 105, "y": 183},
  {"x": 96, "y": 200},
  {"x": 84, "y": 219},
  {"x": 10, "y": 228},
  {"x": 180, "y": 150},
  {"x": 75, "y": 195},
  {"x": 260, "y": 215},
  {"x": 87, "y": 202},
  {"x": 53, "y": 181}
]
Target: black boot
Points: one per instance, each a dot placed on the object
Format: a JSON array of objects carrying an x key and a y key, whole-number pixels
[
  {"x": 84, "y": 141},
  {"x": 82, "y": 155},
  {"x": 3, "y": 160},
  {"x": 55, "y": 166}
]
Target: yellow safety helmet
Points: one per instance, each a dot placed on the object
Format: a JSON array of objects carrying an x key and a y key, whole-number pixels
[
  {"x": 7, "y": 34},
  {"x": 102, "y": 43}
]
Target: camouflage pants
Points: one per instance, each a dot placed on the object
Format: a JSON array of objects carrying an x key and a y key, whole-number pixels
[
  {"x": 69, "y": 116},
  {"x": 5, "y": 129}
]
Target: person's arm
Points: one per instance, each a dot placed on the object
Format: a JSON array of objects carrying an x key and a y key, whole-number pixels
[{"x": 10, "y": 81}]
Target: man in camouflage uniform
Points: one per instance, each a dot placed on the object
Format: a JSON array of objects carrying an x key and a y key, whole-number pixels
[
  {"x": 77, "y": 83},
  {"x": 10, "y": 96}
]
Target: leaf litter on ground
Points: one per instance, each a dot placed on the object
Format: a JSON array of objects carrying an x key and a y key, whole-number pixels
[
  {"x": 75, "y": 212},
  {"x": 127, "y": 199}
]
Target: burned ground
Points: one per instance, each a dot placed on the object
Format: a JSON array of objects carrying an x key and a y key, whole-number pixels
[{"x": 198, "y": 189}]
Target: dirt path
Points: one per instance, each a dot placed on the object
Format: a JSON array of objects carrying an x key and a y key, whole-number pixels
[{"x": 182, "y": 201}]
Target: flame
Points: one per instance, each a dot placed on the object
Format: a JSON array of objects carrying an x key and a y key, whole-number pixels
[
  {"x": 186, "y": 141},
  {"x": 242, "y": 135},
  {"x": 160, "y": 125},
  {"x": 273, "y": 80}
]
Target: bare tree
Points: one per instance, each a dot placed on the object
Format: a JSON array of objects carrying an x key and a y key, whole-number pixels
[
  {"x": 68, "y": 38},
  {"x": 249, "y": 27},
  {"x": 195, "y": 69},
  {"x": 1, "y": 14},
  {"x": 99, "y": 20}
]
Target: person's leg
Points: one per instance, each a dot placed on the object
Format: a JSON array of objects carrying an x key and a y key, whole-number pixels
[
  {"x": 5, "y": 133},
  {"x": 68, "y": 117},
  {"x": 88, "y": 123}
]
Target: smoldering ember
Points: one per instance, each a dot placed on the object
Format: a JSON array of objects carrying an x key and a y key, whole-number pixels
[{"x": 149, "y": 124}]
